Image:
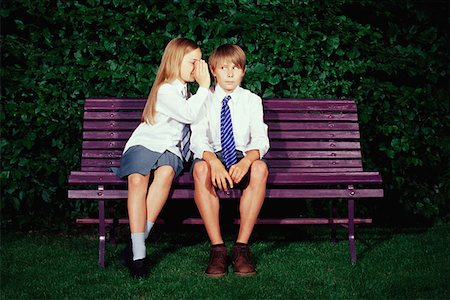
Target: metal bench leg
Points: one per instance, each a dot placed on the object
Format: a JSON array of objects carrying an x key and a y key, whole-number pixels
[
  {"x": 101, "y": 233},
  {"x": 333, "y": 225},
  {"x": 351, "y": 229},
  {"x": 113, "y": 227}
]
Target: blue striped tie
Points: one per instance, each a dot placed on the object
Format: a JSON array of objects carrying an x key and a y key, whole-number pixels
[{"x": 226, "y": 134}]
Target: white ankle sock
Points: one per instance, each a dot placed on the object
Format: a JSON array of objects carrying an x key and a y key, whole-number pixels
[{"x": 138, "y": 245}]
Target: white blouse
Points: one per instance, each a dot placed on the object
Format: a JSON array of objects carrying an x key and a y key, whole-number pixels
[
  {"x": 249, "y": 129},
  {"x": 173, "y": 111}
]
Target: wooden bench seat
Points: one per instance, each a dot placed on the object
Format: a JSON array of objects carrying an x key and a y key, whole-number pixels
[{"x": 315, "y": 154}]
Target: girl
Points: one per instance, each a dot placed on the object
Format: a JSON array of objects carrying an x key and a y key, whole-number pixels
[{"x": 156, "y": 143}]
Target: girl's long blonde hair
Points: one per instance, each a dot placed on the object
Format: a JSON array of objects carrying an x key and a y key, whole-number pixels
[{"x": 168, "y": 70}]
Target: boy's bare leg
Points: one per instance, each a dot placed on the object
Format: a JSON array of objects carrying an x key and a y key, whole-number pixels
[
  {"x": 137, "y": 189},
  {"x": 252, "y": 200},
  {"x": 207, "y": 201},
  {"x": 159, "y": 191}
]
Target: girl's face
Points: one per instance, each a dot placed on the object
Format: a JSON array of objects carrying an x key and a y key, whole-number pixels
[
  {"x": 188, "y": 65},
  {"x": 228, "y": 75}
]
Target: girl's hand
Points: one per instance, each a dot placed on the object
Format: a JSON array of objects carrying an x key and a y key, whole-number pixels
[{"x": 201, "y": 74}]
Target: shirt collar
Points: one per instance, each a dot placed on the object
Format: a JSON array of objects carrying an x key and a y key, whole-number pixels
[
  {"x": 181, "y": 87},
  {"x": 220, "y": 93}
]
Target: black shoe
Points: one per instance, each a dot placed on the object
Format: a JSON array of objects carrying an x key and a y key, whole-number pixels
[
  {"x": 139, "y": 268},
  {"x": 126, "y": 256}
]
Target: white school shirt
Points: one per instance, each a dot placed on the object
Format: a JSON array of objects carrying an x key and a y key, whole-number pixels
[
  {"x": 249, "y": 129},
  {"x": 173, "y": 111}
]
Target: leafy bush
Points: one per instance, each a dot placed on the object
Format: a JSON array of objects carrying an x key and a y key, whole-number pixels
[{"x": 390, "y": 57}]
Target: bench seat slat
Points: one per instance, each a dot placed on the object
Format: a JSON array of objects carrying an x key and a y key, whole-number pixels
[
  {"x": 188, "y": 194},
  {"x": 260, "y": 221},
  {"x": 86, "y": 178}
]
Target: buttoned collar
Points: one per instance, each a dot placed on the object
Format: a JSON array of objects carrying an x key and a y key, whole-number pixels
[{"x": 219, "y": 93}]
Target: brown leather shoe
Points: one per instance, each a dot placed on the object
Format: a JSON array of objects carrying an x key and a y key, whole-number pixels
[
  {"x": 218, "y": 262},
  {"x": 242, "y": 264}
]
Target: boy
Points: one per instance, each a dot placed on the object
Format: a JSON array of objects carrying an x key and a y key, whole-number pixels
[{"x": 228, "y": 141}]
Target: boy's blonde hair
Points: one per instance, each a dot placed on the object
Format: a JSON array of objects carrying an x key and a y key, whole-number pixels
[
  {"x": 168, "y": 71},
  {"x": 232, "y": 53}
]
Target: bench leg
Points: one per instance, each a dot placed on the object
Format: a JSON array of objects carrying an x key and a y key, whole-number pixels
[
  {"x": 351, "y": 229},
  {"x": 333, "y": 225},
  {"x": 113, "y": 227},
  {"x": 101, "y": 233}
]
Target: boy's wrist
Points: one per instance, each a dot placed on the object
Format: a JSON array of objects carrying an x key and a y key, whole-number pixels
[{"x": 247, "y": 161}]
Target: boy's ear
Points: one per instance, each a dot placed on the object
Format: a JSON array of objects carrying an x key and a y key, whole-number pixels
[
  {"x": 212, "y": 71},
  {"x": 245, "y": 69}
]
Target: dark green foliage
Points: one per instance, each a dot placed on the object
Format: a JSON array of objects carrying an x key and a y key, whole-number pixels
[{"x": 392, "y": 58}]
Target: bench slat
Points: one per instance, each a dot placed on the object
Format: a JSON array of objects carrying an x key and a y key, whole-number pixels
[
  {"x": 106, "y": 145},
  {"x": 298, "y": 135},
  {"x": 311, "y": 135},
  {"x": 92, "y": 104},
  {"x": 283, "y": 154},
  {"x": 188, "y": 194},
  {"x": 282, "y": 163},
  {"x": 86, "y": 178},
  {"x": 136, "y": 115},
  {"x": 260, "y": 221},
  {"x": 328, "y": 125}
]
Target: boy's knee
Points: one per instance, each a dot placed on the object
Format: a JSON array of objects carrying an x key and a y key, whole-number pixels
[
  {"x": 200, "y": 170},
  {"x": 259, "y": 170}
]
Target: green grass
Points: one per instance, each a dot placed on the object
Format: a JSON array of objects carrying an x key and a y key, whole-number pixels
[{"x": 293, "y": 263}]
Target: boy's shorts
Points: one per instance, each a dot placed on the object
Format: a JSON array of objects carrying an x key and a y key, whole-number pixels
[{"x": 239, "y": 155}]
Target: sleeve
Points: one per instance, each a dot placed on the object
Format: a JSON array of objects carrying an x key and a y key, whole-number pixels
[
  {"x": 259, "y": 139},
  {"x": 199, "y": 142},
  {"x": 172, "y": 104}
]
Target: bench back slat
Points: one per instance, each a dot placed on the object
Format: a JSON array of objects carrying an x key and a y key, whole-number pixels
[
  {"x": 268, "y": 116},
  {"x": 279, "y": 135},
  {"x": 306, "y": 135},
  {"x": 277, "y": 145}
]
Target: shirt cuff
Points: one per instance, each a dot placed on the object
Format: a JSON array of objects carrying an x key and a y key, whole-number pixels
[
  {"x": 198, "y": 153},
  {"x": 201, "y": 91},
  {"x": 261, "y": 150}
]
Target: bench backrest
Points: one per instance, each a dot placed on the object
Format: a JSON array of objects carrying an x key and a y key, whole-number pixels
[{"x": 306, "y": 135}]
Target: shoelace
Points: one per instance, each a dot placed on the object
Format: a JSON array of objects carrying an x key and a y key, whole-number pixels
[
  {"x": 217, "y": 254},
  {"x": 243, "y": 251}
]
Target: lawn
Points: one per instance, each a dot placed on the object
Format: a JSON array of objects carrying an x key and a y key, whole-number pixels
[{"x": 293, "y": 262}]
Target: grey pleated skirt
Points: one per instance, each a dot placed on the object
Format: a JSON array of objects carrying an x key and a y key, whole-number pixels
[{"x": 138, "y": 159}]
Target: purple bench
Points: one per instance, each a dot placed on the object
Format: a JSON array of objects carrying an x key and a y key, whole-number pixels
[{"x": 315, "y": 154}]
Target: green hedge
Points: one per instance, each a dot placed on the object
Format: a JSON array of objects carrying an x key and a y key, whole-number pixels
[{"x": 391, "y": 58}]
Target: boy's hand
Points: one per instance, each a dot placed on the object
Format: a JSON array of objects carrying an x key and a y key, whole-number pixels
[
  {"x": 219, "y": 175},
  {"x": 238, "y": 171},
  {"x": 201, "y": 74}
]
